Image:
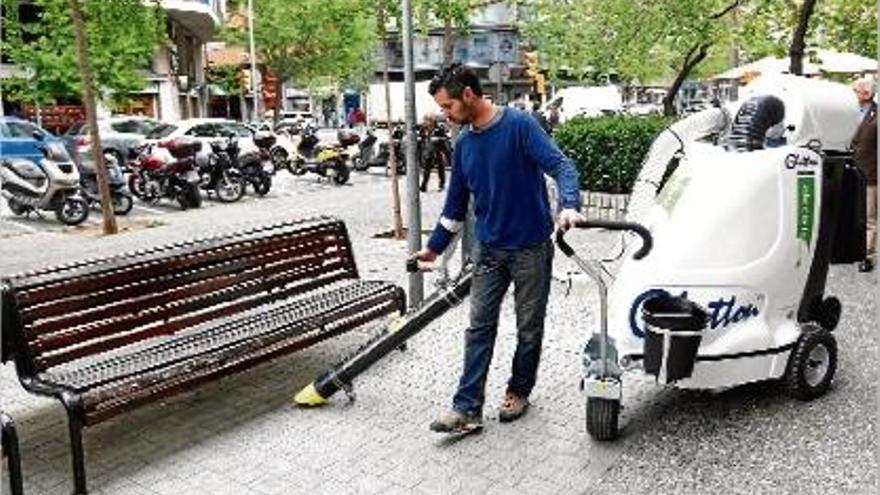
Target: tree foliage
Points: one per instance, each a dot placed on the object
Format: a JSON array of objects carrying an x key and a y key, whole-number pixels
[
  {"x": 644, "y": 41},
  {"x": 850, "y": 25},
  {"x": 845, "y": 25},
  {"x": 314, "y": 43},
  {"x": 123, "y": 36}
]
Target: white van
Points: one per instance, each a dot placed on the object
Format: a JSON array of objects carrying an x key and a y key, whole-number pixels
[{"x": 588, "y": 101}]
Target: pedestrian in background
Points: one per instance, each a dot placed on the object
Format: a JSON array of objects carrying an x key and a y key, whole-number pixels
[
  {"x": 433, "y": 140},
  {"x": 864, "y": 145},
  {"x": 500, "y": 159}
]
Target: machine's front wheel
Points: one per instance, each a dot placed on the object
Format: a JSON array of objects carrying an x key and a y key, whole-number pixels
[
  {"x": 812, "y": 363},
  {"x": 602, "y": 418}
]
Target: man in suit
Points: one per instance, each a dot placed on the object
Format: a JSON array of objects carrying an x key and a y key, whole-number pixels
[{"x": 864, "y": 145}]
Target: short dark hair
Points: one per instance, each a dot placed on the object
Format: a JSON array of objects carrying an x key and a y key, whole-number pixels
[{"x": 454, "y": 78}]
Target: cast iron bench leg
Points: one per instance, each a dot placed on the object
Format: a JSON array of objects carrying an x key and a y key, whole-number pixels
[
  {"x": 10, "y": 448},
  {"x": 76, "y": 423}
]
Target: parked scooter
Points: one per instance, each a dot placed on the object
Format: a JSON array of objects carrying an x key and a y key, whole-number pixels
[
  {"x": 119, "y": 193},
  {"x": 156, "y": 175},
  {"x": 326, "y": 161},
  {"x": 52, "y": 185},
  {"x": 372, "y": 153}
]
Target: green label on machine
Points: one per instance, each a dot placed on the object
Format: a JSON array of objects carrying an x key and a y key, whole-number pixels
[{"x": 806, "y": 200}]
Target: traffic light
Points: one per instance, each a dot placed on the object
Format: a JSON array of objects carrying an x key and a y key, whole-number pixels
[
  {"x": 244, "y": 79},
  {"x": 539, "y": 82}
]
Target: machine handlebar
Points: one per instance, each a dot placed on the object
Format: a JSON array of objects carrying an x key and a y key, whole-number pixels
[{"x": 647, "y": 240}]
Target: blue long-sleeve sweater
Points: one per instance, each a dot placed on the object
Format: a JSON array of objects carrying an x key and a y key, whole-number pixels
[{"x": 503, "y": 165}]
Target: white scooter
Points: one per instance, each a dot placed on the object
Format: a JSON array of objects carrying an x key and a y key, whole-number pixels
[
  {"x": 52, "y": 184},
  {"x": 742, "y": 214}
]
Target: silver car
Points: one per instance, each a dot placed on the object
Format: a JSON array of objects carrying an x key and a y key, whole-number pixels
[{"x": 118, "y": 135}]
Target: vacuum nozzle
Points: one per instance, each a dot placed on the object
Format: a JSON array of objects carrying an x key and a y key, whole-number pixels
[{"x": 309, "y": 396}]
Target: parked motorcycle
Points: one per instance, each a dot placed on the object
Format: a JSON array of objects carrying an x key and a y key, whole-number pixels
[
  {"x": 256, "y": 166},
  {"x": 52, "y": 184},
  {"x": 219, "y": 171},
  {"x": 174, "y": 175},
  {"x": 326, "y": 161},
  {"x": 119, "y": 193}
]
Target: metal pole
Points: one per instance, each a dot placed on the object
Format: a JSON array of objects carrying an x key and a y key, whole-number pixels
[
  {"x": 414, "y": 223},
  {"x": 253, "y": 55}
]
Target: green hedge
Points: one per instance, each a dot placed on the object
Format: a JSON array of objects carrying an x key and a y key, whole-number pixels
[{"x": 608, "y": 151}]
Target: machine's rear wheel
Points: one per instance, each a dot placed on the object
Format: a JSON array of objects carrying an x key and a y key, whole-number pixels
[
  {"x": 812, "y": 363},
  {"x": 602, "y": 418}
]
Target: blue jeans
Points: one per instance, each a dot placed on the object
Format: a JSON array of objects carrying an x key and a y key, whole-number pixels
[{"x": 529, "y": 270}]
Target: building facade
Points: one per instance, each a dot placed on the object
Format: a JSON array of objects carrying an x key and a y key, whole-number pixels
[
  {"x": 176, "y": 87},
  {"x": 174, "y": 83},
  {"x": 493, "y": 47}
]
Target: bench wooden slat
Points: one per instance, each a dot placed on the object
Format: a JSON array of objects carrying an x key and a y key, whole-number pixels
[
  {"x": 26, "y": 281},
  {"x": 158, "y": 282},
  {"x": 137, "y": 271},
  {"x": 217, "y": 292},
  {"x": 167, "y": 291},
  {"x": 238, "y": 332},
  {"x": 120, "y": 340}
]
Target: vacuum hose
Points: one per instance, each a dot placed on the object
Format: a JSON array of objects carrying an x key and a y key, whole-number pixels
[{"x": 754, "y": 118}]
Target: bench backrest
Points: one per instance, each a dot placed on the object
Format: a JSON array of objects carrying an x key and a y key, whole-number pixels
[{"x": 57, "y": 315}]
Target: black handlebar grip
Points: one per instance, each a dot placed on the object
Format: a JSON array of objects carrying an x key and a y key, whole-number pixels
[{"x": 647, "y": 240}]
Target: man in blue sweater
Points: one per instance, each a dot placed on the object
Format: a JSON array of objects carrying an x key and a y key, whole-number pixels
[{"x": 500, "y": 159}]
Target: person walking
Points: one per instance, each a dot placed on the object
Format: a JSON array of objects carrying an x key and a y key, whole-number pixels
[
  {"x": 500, "y": 159},
  {"x": 434, "y": 154},
  {"x": 864, "y": 145}
]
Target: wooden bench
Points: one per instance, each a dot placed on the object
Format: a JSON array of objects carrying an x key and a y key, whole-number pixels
[{"x": 108, "y": 335}]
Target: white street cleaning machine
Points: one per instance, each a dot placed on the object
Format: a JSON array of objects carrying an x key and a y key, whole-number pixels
[{"x": 741, "y": 204}]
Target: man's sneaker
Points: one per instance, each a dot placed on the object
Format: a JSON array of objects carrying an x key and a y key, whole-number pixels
[
  {"x": 513, "y": 407},
  {"x": 453, "y": 421}
]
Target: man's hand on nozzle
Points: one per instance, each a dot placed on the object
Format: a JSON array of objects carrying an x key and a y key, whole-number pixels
[{"x": 568, "y": 217}]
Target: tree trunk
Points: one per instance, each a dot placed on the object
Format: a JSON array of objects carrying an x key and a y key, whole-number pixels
[
  {"x": 88, "y": 80},
  {"x": 228, "y": 106},
  {"x": 694, "y": 57},
  {"x": 396, "y": 217},
  {"x": 798, "y": 43},
  {"x": 449, "y": 39},
  {"x": 276, "y": 115}
]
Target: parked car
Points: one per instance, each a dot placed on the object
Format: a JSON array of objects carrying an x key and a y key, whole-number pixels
[
  {"x": 207, "y": 131},
  {"x": 118, "y": 136},
  {"x": 22, "y": 139}
]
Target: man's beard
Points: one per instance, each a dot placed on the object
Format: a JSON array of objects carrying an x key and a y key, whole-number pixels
[{"x": 468, "y": 116}]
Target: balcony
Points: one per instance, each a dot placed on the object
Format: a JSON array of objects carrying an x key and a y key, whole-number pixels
[{"x": 201, "y": 17}]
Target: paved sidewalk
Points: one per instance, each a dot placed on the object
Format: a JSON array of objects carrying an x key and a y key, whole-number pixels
[{"x": 243, "y": 435}]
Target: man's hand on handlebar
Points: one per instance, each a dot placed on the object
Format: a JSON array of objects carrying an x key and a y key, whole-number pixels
[
  {"x": 568, "y": 217},
  {"x": 421, "y": 261},
  {"x": 425, "y": 255}
]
